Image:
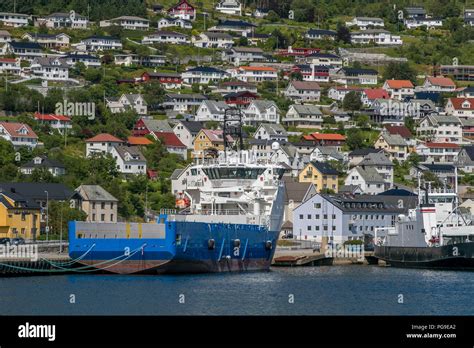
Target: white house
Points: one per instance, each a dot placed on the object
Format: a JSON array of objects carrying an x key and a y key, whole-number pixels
[
  {"x": 211, "y": 110},
  {"x": 10, "y": 66},
  {"x": 239, "y": 55},
  {"x": 353, "y": 76},
  {"x": 101, "y": 144},
  {"x": 324, "y": 59},
  {"x": 460, "y": 107},
  {"x": 100, "y": 43},
  {"x": 303, "y": 91},
  {"x": 271, "y": 131},
  {"x": 429, "y": 22},
  {"x": 377, "y": 36},
  {"x": 43, "y": 162},
  {"x": 129, "y": 159},
  {"x": 60, "y": 123},
  {"x": 439, "y": 84},
  {"x": 399, "y": 89},
  {"x": 320, "y": 34},
  {"x": 127, "y": 22},
  {"x": 339, "y": 92},
  {"x": 174, "y": 22},
  {"x": 49, "y": 40},
  {"x": 438, "y": 152},
  {"x": 303, "y": 116},
  {"x": 255, "y": 73},
  {"x": 54, "y": 69},
  {"x": 88, "y": 60},
  {"x": 434, "y": 128},
  {"x": 260, "y": 111},
  {"x": 71, "y": 20},
  {"x": 24, "y": 50},
  {"x": 5, "y": 36},
  {"x": 368, "y": 179},
  {"x": 203, "y": 75},
  {"x": 18, "y": 134},
  {"x": 128, "y": 101},
  {"x": 186, "y": 131},
  {"x": 213, "y": 40},
  {"x": 366, "y": 22},
  {"x": 184, "y": 10},
  {"x": 230, "y": 7},
  {"x": 13, "y": 19},
  {"x": 164, "y": 36}
]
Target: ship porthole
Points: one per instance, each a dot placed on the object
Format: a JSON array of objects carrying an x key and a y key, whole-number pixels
[
  {"x": 268, "y": 245},
  {"x": 211, "y": 244}
]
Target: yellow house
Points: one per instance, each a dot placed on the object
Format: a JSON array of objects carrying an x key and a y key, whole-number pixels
[
  {"x": 321, "y": 175},
  {"x": 208, "y": 139},
  {"x": 394, "y": 145},
  {"x": 18, "y": 217}
]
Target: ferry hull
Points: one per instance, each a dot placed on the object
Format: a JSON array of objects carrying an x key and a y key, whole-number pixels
[
  {"x": 457, "y": 256},
  {"x": 184, "y": 249}
]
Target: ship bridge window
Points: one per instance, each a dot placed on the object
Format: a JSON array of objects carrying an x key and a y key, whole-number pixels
[{"x": 233, "y": 173}]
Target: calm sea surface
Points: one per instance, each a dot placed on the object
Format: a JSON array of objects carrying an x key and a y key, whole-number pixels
[{"x": 330, "y": 290}]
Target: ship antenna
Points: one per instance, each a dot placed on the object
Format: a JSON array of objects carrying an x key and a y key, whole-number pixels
[{"x": 232, "y": 128}]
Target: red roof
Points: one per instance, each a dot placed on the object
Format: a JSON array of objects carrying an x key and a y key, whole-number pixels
[
  {"x": 441, "y": 81},
  {"x": 169, "y": 139},
  {"x": 458, "y": 102},
  {"x": 330, "y": 136},
  {"x": 8, "y": 60},
  {"x": 442, "y": 145},
  {"x": 14, "y": 128},
  {"x": 397, "y": 84},
  {"x": 139, "y": 141},
  {"x": 376, "y": 93},
  {"x": 258, "y": 68},
  {"x": 403, "y": 131},
  {"x": 104, "y": 138},
  {"x": 51, "y": 117}
]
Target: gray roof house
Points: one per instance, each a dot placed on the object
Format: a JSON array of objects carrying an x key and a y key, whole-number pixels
[
  {"x": 96, "y": 202},
  {"x": 42, "y": 162},
  {"x": 303, "y": 115}
]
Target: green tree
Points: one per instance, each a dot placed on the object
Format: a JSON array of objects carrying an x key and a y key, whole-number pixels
[
  {"x": 399, "y": 71},
  {"x": 352, "y": 101}
]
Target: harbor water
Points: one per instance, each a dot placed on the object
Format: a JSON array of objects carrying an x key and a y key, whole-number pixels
[{"x": 326, "y": 290}]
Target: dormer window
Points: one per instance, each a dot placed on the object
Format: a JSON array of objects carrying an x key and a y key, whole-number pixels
[
  {"x": 38, "y": 160},
  {"x": 466, "y": 105}
]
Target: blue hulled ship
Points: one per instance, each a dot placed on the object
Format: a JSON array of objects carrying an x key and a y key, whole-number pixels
[{"x": 230, "y": 222}]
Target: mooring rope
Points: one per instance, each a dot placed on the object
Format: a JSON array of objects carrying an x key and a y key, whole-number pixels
[
  {"x": 71, "y": 261},
  {"x": 79, "y": 269}
]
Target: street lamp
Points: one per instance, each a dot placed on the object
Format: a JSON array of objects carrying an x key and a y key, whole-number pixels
[{"x": 47, "y": 215}]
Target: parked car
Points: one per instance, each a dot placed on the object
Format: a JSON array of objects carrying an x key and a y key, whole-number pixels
[
  {"x": 5, "y": 241},
  {"x": 17, "y": 241}
]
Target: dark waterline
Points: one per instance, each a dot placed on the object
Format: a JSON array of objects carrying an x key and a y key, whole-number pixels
[{"x": 331, "y": 290}]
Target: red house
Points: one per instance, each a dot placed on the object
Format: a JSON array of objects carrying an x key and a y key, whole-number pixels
[
  {"x": 183, "y": 10},
  {"x": 168, "y": 80},
  {"x": 323, "y": 139},
  {"x": 240, "y": 98},
  {"x": 297, "y": 52}
]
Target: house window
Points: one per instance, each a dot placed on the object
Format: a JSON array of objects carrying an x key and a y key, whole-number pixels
[
  {"x": 102, "y": 205},
  {"x": 93, "y": 217},
  {"x": 111, "y": 217},
  {"x": 309, "y": 216},
  {"x": 102, "y": 217}
]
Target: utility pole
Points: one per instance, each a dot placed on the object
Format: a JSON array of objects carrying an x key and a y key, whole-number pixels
[{"x": 47, "y": 215}]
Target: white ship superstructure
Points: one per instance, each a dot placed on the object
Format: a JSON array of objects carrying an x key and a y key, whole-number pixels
[{"x": 235, "y": 187}]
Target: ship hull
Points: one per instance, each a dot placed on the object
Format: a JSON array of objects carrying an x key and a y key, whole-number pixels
[
  {"x": 456, "y": 257},
  {"x": 184, "y": 249}
]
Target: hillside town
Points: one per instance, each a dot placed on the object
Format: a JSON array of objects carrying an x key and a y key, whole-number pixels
[{"x": 102, "y": 118}]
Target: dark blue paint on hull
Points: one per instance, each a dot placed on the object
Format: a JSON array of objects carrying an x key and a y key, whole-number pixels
[{"x": 185, "y": 249}]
